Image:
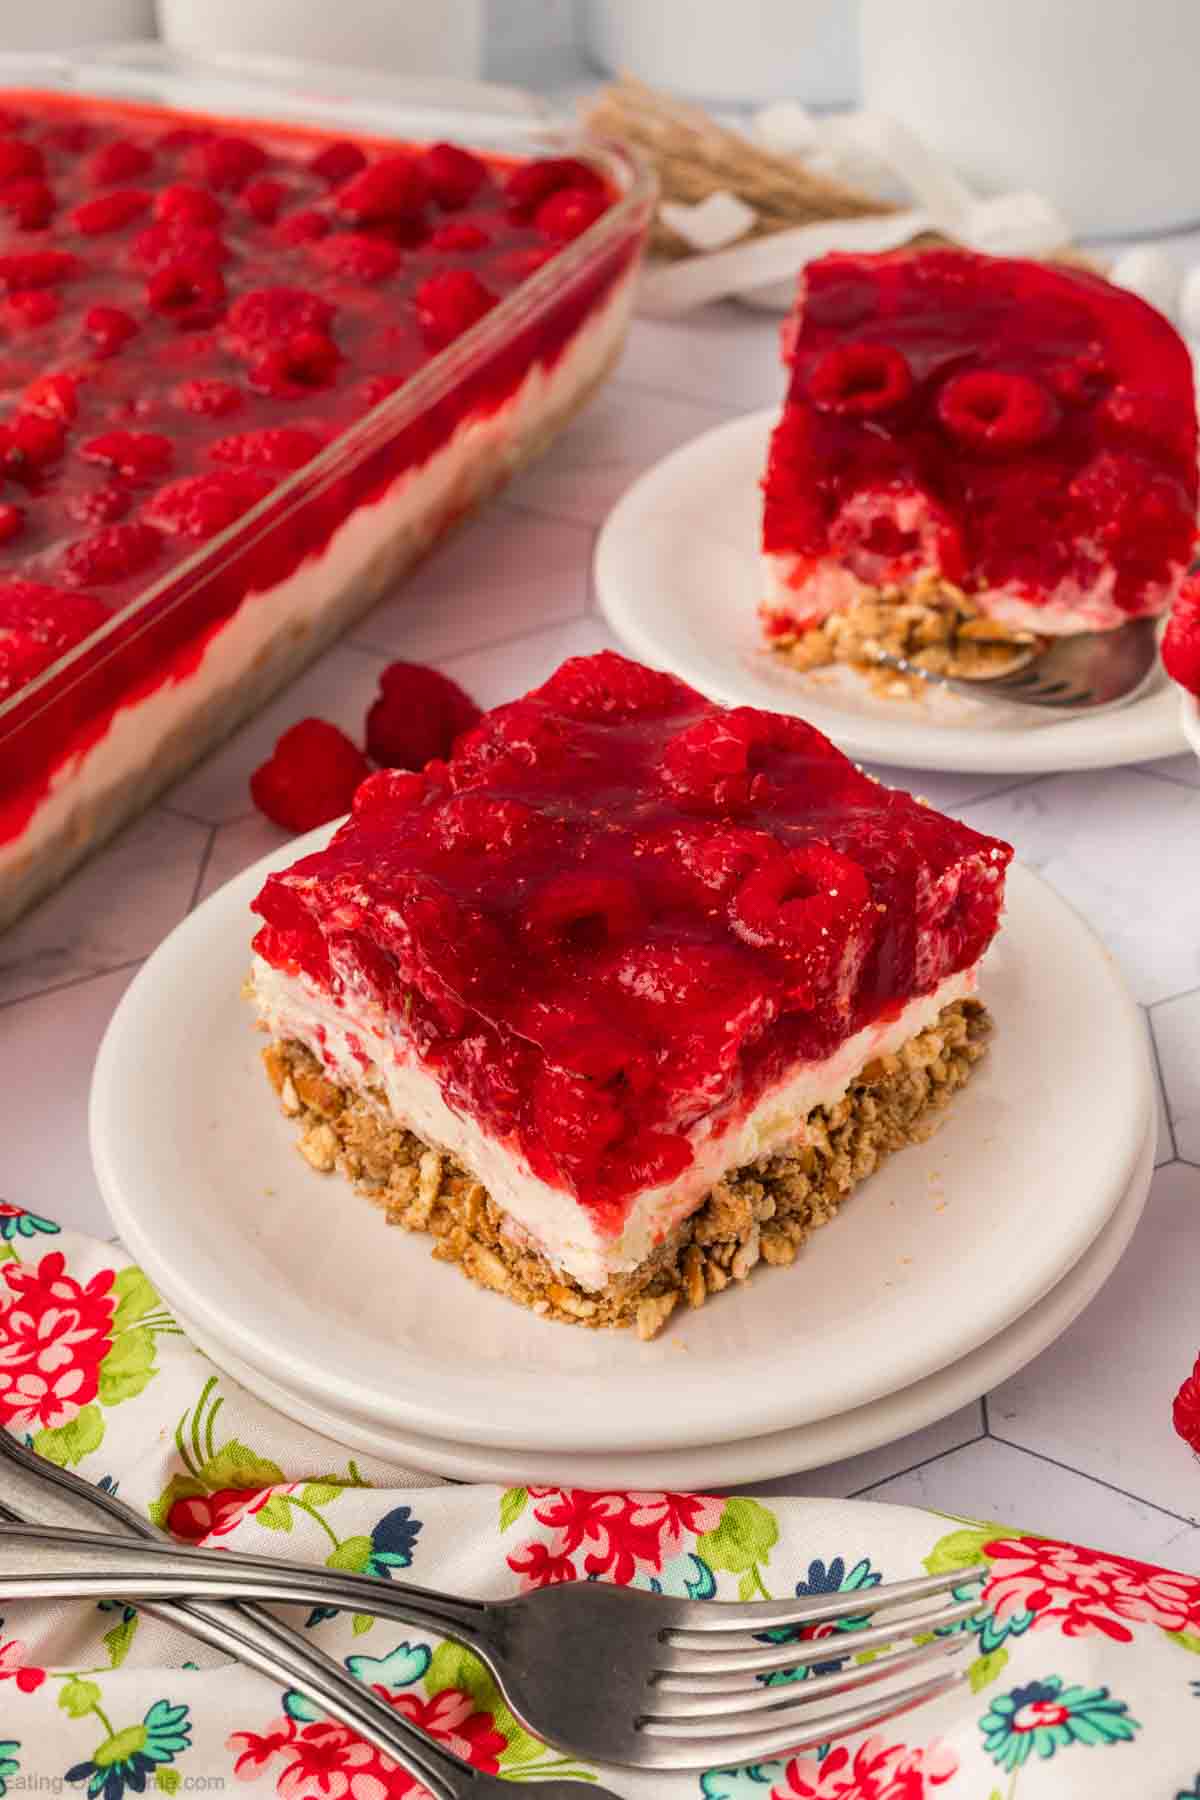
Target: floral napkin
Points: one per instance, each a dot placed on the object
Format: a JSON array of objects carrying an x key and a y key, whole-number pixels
[{"x": 1085, "y": 1672}]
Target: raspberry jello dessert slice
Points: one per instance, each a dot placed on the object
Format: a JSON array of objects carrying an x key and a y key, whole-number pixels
[
  {"x": 974, "y": 453},
  {"x": 628, "y": 995}
]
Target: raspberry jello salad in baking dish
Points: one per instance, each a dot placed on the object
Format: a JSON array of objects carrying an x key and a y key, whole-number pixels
[
  {"x": 249, "y": 372},
  {"x": 974, "y": 454},
  {"x": 627, "y": 995}
]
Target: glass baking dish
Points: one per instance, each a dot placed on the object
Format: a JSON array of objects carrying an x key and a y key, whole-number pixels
[{"x": 108, "y": 726}]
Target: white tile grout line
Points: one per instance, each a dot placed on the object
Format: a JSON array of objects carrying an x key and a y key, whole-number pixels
[
  {"x": 1163, "y": 1089},
  {"x": 1070, "y": 1469},
  {"x": 61, "y": 987}
]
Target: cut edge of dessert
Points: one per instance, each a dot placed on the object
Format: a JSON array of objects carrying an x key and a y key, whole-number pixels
[
  {"x": 628, "y": 996},
  {"x": 975, "y": 455}
]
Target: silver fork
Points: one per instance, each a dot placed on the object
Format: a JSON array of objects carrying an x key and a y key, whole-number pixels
[
  {"x": 1087, "y": 673},
  {"x": 605, "y": 1673},
  {"x": 33, "y": 1489}
]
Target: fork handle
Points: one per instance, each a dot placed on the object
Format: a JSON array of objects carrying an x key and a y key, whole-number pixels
[{"x": 32, "y": 1487}]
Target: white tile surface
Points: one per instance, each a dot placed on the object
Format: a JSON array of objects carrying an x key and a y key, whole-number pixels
[
  {"x": 1100, "y": 1398},
  {"x": 990, "y": 1480},
  {"x": 500, "y": 605},
  {"x": 114, "y": 909},
  {"x": 537, "y": 575},
  {"x": 46, "y": 1165},
  {"x": 1125, "y": 850},
  {"x": 605, "y": 449},
  {"x": 1177, "y": 1033}
]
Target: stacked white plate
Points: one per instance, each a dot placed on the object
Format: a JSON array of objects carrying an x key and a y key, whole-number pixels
[{"x": 957, "y": 1262}]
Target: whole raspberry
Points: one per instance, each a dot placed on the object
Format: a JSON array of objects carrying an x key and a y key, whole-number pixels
[
  {"x": 417, "y": 717},
  {"x": 209, "y": 397},
  {"x": 138, "y": 455},
  {"x": 29, "y": 203},
  {"x": 22, "y": 660},
  {"x": 175, "y": 240},
  {"x": 307, "y": 226},
  {"x": 459, "y": 234},
  {"x": 113, "y": 553},
  {"x": 20, "y": 160},
  {"x": 109, "y": 212},
  {"x": 284, "y": 447},
  {"x": 390, "y": 189},
  {"x": 533, "y": 182},
  {"x": 199, "y": 506},
  {"x": 186, "y": 205},
  {"x": 358, "y": 256},
  {"x": 52, "y": 616},
  {"x": 860, "y": 379},
  {"x": 990, "y": 410},
  {"x": 109, "y": 327},
  {"x": 190, "y": 293},
  {"x": 1181, "y": 641},
  {"x": 37, "y": 268},
  {"x": 27, "y": 310},
  {"x": 338, "y": 162},
  {"x": 122, "y": 160},
  {"x": 579, "y": 912},
  {"x": 263, "y": 199},
  {"x": 450, "y": 303},
  {"x": 100, "y": 505},
  {"x": 310, "y": 778},
  {"x": 227, "y": 162},
  {"x": 307, "y": 361},
  {"x": 569, "y": 212},
  {"x": 264, "y": 316},
  {"x": 454, "y": 176},
  {"x": 52, "y": 396},
  {"x": 1186, "y": 1410},
  {"x": 12, "y": 522},
  {"x": 29, "y": 443}
]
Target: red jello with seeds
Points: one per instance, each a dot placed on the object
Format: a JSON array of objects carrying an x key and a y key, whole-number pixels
[
  {"x": 1014, "y": 439},
  {"x": 197, "y": 309},
  {"x": 617, "y": 921}
]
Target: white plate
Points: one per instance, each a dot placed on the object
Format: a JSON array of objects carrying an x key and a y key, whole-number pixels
[
  {"x": 1189, "y": 711},
  {"x": 737, "y": 1464},
  {"x": 950, "y": 1243},
  {"x": 677, "y": 573}
]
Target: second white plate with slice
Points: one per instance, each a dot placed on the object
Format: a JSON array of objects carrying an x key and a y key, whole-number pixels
[
  {"x": 949, "y": 1243},
  {"x": 678, "y": 578}
]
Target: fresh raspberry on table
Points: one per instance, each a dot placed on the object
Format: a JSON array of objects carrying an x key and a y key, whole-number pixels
[
  {"x": 1186, "y": 1411},
  {"x": 417, "y": 717},
  {"x": 1181, "y": 642},
  {"x": 310, "y": 777}
]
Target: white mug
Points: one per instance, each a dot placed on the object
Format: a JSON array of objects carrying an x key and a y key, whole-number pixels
[
  {"x": 1091, "y": 102},
  {"x": 712, "y": 50}
]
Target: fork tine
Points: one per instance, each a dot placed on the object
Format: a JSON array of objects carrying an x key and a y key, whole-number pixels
[
  {"x": 706, "y": 1616},
  {"x": 700, "y": 1747},
  {"x": 764, "y": 1658},
  {"x": 684, "y": 1701}
]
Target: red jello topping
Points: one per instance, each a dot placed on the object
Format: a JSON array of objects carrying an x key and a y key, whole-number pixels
[
  {"x": 1006, "y": 424},
  {"x": 618, "y": 909}
]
